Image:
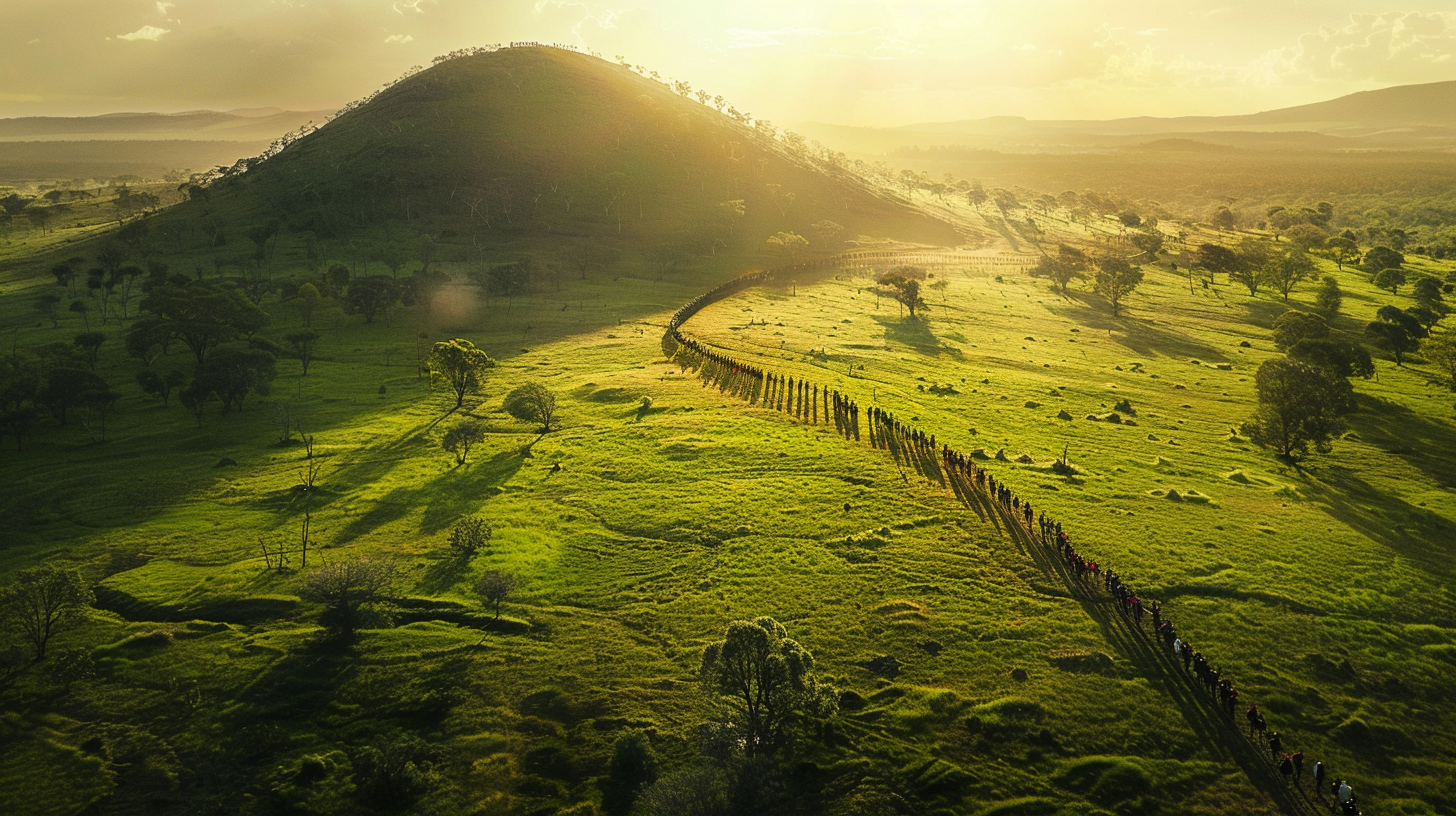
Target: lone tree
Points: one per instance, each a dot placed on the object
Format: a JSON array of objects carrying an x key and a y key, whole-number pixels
[
  {"x": 1294, "y": 326},
  {"x": 1391, "y": 278},
  {"x": 348, "y": 590},
  {"x": 494, "y": 587},
  {"x": 766, "y": 679},
  {"x": 461, "y": 364},
  {"x": 1299, "y": 406},
  {"x": 1396, "y": 332},
  {"x": 1115, "y": 279},
  {"x": 534, "y": 403},
  {"x": 470, "y": 534},
  {"x": 42, "y": 601},
  {"x": 461, "y": 437},
  {"x": 902, "y": 284}
]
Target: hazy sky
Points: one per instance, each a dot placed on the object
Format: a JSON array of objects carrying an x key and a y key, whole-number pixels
[{"x": 877, "y": 62}]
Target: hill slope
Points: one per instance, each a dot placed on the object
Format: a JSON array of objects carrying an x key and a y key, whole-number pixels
[{"x": 531, "y": 142}]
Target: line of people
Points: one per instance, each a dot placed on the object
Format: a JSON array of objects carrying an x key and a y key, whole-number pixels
[{"x": 803, "y": 399}]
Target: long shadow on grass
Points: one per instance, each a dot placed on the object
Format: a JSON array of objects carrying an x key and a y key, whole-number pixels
[
  {"x": 913, "y": 332},
  {"x": 445, "y": 498},
  {"x": 1416, "y": 533},
  {"x": 1219, "y": 734},
  {"x": 1420, "y": 440},
  {"x": 1138, "y": 336}
]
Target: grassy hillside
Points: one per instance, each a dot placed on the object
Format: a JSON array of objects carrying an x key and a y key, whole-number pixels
[
  {"x": 528, "y": 143},
  {"x": 972, "y": 679},
  {"x": 1323, "y": 589}
]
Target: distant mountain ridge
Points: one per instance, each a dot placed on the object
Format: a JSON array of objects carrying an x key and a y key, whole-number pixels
[
  {"x": 244, "y": 124},
  {"x": 1402, "y": 117}
]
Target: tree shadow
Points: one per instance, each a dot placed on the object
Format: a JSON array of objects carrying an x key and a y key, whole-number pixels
[
  {"x": 1419, "y": 440},
  {"x": 915, "y": 333},
  {"x": 1416, "y": 533},
  {"x": 459, "y": 491},
  {"x": 1138, "y": 336},
  {"x": 443, "y": 574},
  {"x": 445, "y": 498},
  {"x": 1262, "y": 313}
]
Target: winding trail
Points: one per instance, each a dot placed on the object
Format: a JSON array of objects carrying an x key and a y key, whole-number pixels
[{"x": 982, "y": 493}]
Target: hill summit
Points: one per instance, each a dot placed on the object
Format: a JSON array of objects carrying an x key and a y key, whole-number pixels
[{"x": 522, "y": 143}]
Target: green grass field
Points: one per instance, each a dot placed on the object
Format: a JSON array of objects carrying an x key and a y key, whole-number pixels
[{"x": 976, "y": 680}]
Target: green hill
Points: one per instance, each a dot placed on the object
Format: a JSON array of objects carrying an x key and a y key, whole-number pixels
[{"x": 527, "y": 144}]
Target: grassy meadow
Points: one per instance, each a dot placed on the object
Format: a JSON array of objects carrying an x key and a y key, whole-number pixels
[
  {"x": 972, "y": 680},
  {"x": 659, "y": 528},
  {"x": 1322, "y": 589}
]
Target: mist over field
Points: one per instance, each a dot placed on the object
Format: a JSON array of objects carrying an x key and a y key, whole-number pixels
[{"x": 693, "y": 410}]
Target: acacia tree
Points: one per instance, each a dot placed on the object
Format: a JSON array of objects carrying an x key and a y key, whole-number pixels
[
  {"x": 42, "y": 601},
  {"x": 1299, "y": 406},
  {"x": 203, "y": 315},
  {"x": 461, "y": 364},
  {"x": 827, "y": 231},
  {"x": 766, "y": 679},
  {"x": 1115, "y": 279},
  {"x": 532, "y": 402}
]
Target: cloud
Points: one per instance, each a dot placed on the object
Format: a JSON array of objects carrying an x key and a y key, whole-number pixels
[
  {"x": 399, "y": 38},
  {"x": 1391, "y": 47},
  {"x": 147, "y": 32}
]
